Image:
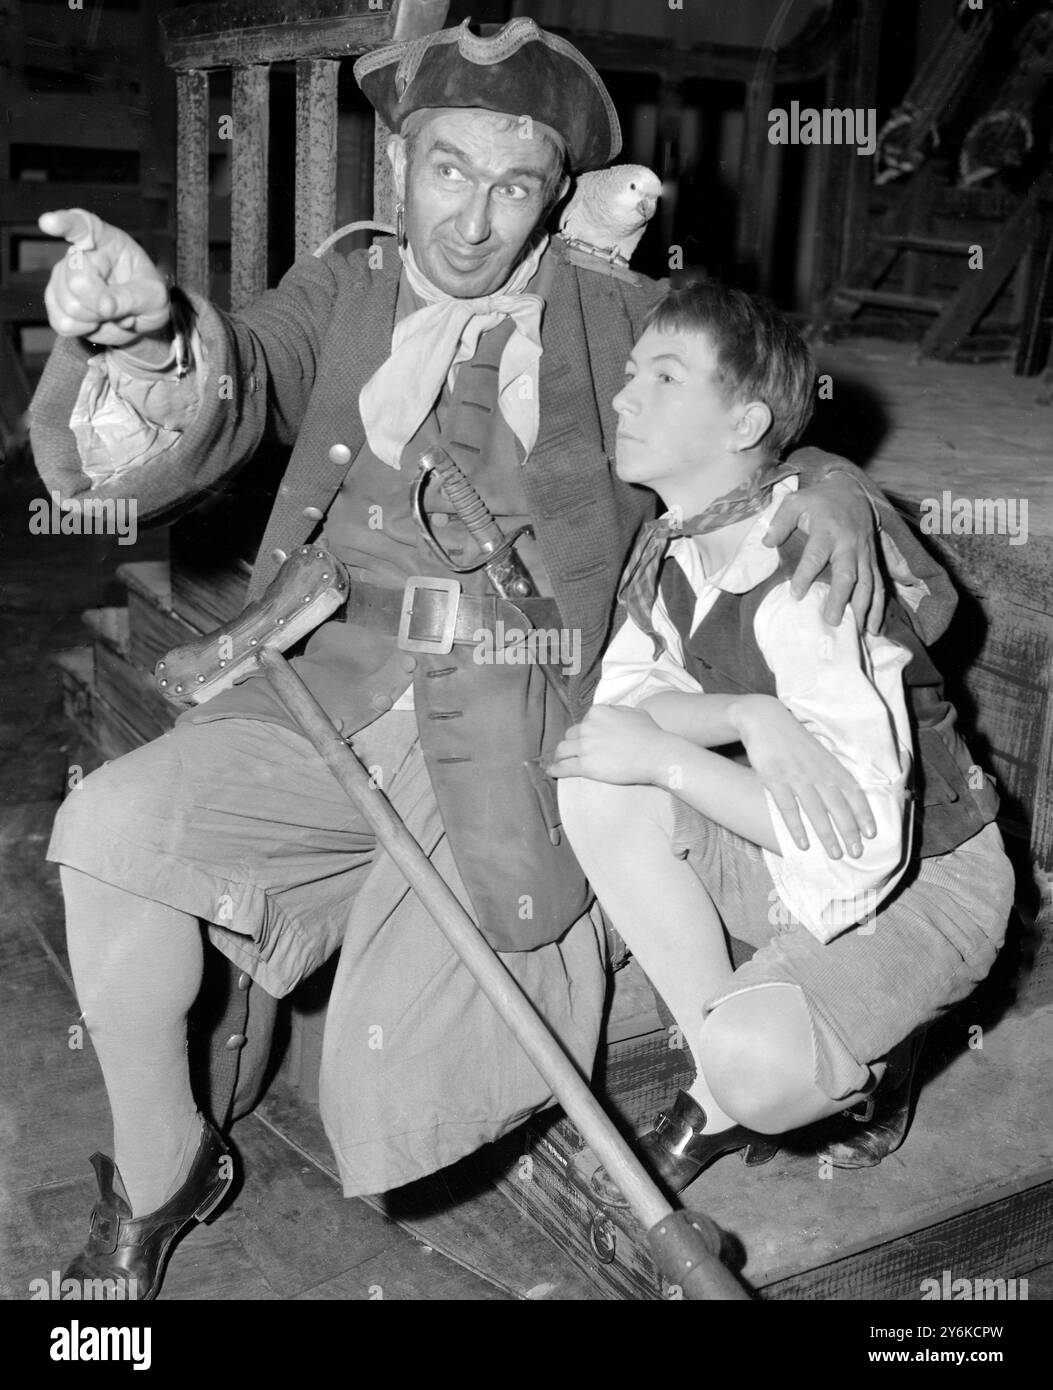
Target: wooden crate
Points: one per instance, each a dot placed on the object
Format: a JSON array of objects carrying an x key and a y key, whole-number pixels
[{"x": 607, "y": 1244}]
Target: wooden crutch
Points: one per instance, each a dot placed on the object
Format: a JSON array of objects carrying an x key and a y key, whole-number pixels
[{"x": 685, "y": 1245}]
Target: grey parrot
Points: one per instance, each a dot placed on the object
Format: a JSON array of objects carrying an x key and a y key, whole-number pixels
[{"x": 609, "y": 211}]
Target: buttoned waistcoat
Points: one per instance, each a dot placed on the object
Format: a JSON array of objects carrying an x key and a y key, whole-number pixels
[{"x": 954, "y": 799}]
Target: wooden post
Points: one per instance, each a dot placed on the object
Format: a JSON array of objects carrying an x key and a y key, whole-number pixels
[
  {"x": 861, "y": 94},
  {"x": 192, "y": 180},
  {"x": 248, "y": 208},
  {"x": 316, "y": 82},
  {"x": 157, "y": 144},
  {"x": 383, "y": 177},
  {"x": 753, "y": 167},
  {"x": 669, "y": 119}
]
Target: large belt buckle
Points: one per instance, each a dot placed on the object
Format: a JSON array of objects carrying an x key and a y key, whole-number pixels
[{"x": 437, "y": 636}]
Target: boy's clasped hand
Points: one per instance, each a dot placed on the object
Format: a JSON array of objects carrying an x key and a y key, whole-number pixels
[
  {"x": 625, "y": 746},
  {"x": 616, "y": 743}
]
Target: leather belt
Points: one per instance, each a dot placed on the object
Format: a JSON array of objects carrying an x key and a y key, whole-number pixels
[{"x": 431, "y": 614}]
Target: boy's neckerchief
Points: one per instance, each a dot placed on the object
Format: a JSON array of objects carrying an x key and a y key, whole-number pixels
[{"x": 639, "y": 587}]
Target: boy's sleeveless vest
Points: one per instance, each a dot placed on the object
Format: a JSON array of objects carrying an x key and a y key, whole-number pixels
[{"x": 724, "y": 657}]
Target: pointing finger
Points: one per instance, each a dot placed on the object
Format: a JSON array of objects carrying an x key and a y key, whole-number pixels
[{"x": 81, "y": 229}]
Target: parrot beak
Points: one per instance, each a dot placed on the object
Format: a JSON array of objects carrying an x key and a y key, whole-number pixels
[{"x": 646, "y": 207}]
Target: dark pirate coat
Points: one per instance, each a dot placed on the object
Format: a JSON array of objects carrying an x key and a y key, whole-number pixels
[
  {"x": 298, "y": 360},
  {"x": 293, "y": 366}
]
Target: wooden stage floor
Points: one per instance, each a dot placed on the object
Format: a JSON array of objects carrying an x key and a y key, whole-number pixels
[
  {"x": 984, "y": 1121},
  {"x": 919, "y": 426}
]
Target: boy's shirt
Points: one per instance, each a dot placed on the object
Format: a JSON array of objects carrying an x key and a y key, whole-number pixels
[{"x": 846, "y": 689}]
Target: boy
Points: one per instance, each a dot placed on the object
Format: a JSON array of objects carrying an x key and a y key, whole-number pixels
[{"x": 861, "y": 938}]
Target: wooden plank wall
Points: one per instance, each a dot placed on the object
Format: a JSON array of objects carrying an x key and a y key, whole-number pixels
[
  {"x": 248, "y": 37},
  {"x": 1005, "y": 653}
]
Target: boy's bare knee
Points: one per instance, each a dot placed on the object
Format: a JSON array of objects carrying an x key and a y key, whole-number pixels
[{"x": 748, "y": 1062}]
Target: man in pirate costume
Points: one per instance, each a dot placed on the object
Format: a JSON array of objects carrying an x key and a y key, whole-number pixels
[{"x": 473, "y": 331}]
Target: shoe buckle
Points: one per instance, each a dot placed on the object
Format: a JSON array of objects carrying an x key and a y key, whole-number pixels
[
  {"x": 429, "y": 614},
  {"x": 672, "y": 1132},
  {"x": 102, "y": 1232},
  {"x": 863, "y": 1113}
]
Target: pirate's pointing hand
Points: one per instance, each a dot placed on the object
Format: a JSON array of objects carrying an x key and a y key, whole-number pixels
[{"x": 105, "y": 288}]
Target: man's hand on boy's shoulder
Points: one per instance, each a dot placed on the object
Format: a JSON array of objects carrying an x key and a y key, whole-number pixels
[{"x": 836, "y": 515}]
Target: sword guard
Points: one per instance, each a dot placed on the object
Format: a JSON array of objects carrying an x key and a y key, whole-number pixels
[{"x": 420, "y": 516}]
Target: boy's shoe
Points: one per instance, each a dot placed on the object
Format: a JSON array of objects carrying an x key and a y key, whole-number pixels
[
  {"x": 132, "y": 1252},
  {"x": 676, "y": 1150},
  {"x": 870, "y": 1131}
]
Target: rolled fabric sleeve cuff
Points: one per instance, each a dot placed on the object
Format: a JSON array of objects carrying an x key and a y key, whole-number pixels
[
  {"x": 127, "y": 413},
  {"x": 827, "y": 896}
]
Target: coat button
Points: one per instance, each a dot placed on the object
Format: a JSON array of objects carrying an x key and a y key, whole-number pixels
[
  {"x": 279, "y": 556},
  {"x": 235, "y": 1041},
  {"x": 244, "y": 980},
  {"x": 340, "y": 453},
  {"x": 313, "y": 513},
  {"x": 409, "y": 663},
  {"x": 382, "y": 702}
]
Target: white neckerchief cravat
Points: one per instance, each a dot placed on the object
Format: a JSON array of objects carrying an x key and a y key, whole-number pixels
[{"x": 428, "y": 345}]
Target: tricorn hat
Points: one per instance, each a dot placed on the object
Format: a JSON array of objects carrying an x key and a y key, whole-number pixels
[{"x": 520, "y": 70}]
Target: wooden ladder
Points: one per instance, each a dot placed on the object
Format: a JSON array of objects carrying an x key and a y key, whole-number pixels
[
  {"x": 905, "y": 244},
  {"x": 1027, "y": 236}
]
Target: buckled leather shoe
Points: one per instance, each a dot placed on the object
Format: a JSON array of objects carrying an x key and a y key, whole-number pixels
[
  {"x": 866, "y": 1133},
  {"x": 132, "y": 1252},
  {"x": 676, "y": 1150}
]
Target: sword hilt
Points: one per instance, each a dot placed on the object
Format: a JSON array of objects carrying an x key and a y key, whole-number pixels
[
  {"x": 509, "y": 576},
  {"x": 470, "y": 507},
  {"x": 506, "y": 572}
]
